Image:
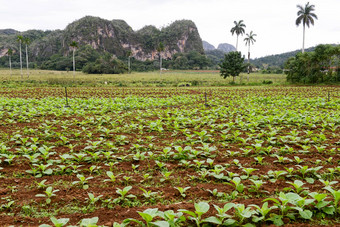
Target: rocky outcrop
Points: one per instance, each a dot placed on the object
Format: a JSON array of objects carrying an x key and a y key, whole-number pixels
[
  {"x": 226, "y": 48},
  {"x": 207, "y": 46},
  {"x": 117, "y": 38}
]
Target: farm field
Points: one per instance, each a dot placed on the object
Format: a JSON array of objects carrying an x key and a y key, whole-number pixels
[
  {"x": 170, "y": 156},
  {"x": 135, "y": 79}
]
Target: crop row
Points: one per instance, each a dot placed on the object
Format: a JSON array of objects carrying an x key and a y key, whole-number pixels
[{"x": 169, "y": 157}]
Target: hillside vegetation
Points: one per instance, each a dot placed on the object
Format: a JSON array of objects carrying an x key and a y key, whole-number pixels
[{"x": 99, "y": 38}]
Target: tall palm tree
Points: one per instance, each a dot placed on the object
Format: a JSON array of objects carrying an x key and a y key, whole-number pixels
[
  {"x": 10, "y": 53},
  {"x": 27, "y": 41},
  {"x": 306, "y": 16},
  {"x": 160, "y": 48},
  {"x": 74, "y": 46},
  {"x": 20, "y": 39},
  {"x": 238, "y": 29},
  {"x": 250, "y": 39}
]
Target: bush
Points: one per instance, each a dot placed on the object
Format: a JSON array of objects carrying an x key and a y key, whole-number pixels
[
  {"x": 314, "y": 67},
  {"x": 267, "y": 82},
  {"x": 105, "y": 66}
]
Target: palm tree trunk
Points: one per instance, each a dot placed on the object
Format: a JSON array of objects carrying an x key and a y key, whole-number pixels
[
  {"x": 248, "y": 60},
  {"x": 10, "y": 66},
  {"x": 20, "y": 60},
  {"x": 303, "y": 41},
  {"x": 236, "y": 42},
  {"x": 129, "y": 65},
  {"x": 27, "y": 61},
  {"x": 74, "y": 65},
  {"x": 160, "y": 63}
]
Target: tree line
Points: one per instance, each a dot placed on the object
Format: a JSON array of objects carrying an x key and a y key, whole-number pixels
[{"x": 318, "y": 66}]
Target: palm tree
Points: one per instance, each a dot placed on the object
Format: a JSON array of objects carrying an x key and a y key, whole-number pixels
[
  {"x": 305, "y": 15},
  {"x": 74, "y": 46},
  {"x": 20, "y": 39},
  {"x": 249, "y": 40},
  {"x": 238, "y": 29},
  {"x": 160, "y": 48},
  {"x": 27, "y": 41},
  {"x": 10, "y": 53}
]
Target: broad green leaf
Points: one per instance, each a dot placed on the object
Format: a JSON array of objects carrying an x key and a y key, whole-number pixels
[
  {"x": 201, "y": 208},
  {"x": 306, "y": 214},
  {"x": 213, "y": 220}
]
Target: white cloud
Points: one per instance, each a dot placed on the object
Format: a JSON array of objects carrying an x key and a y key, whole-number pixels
[{"x": 272, "y": 20}]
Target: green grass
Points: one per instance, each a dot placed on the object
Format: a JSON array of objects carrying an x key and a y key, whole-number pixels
[{"x": 149, "y": 79}]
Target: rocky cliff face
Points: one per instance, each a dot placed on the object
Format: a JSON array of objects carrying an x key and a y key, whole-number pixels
[
  {"x": 225, "y": 47},
  {"x": 207, "y": 46},
  {"x": 115, "y": 37}
]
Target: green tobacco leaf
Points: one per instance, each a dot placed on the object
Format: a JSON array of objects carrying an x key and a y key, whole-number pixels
[
  {"x": 201, "y": 208},
  {"x": 306, "y": 214},
  {"x": 161, "y": 223},
  {"x": 229, "y": 222},
  {"x": 329, "y": 210},
  {"x": 276, "y": 219},
  {"x": 213, "y": 220}
]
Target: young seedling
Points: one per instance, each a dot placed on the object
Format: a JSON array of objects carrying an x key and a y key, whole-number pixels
[
  {"x": 171, "y": 218},
  {"x": 123, "y": 194},
  {"x": 196, "y": 216},
  {"x": 182, "y": 191},
  {"x": 49, "y": 193},
  {"x": 236, "y": 183},
  {"x": 148, "y": 194},
  {"x": 262, "y": 211},
  {"x": 89, "y": 222},
  {"x": 166, "y": 176},
  {"x": 148, "y": 215},
  {"x": 221, "y": 216},
  {"x": 248, "y": 171},
  {"x": 92, "y": 199},
  {"x": 297, "y": 184},
  {"x": 82, "y": 181},
  {"x": 41, "y": 184},
  {"x": 57, "y": 222},
  {"x": 256, "y": 186},
  {"x": 216, "y": 193},
  {"x": 242, "y": 212}
]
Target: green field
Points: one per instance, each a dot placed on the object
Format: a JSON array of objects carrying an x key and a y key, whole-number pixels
[
  {"x": 167, "y": 156},
  {"x": 150, "y": 79}
]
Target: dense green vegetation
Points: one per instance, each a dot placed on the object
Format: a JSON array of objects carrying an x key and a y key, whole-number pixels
[
  {"x": 276, "y": 61},
  {"x": 319, "y": 66},
  {"x": 97, "y": 37},
  {"x": 232, "y": 65}
]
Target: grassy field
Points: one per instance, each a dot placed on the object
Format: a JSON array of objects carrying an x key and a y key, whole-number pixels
[{"x": 150, "y": 79}]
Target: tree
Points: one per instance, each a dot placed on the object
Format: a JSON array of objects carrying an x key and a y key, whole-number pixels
[
  {"x": 232, "y": 65},
  {"x": 249, "y": 40},
  {"x": 27, "y": 41},
  {"x": 20, "y": 39},
  {"x": 160, "y": 48},
  {"x": 238, "y": 29},
  {"x": 318, "y": 66},
  {"x": 74, "y": 46},
  {"x": 10, "y": 53},
  {"x": 305, "y": 15}
]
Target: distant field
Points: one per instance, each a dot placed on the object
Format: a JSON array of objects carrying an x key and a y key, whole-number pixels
[{"x": 167, "y": 78}]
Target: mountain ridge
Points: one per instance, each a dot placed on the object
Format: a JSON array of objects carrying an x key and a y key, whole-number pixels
[{"x": 113, "y": 36}]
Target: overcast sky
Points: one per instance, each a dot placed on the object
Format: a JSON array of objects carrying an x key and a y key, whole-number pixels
[{"x": 272, "y": 20}]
